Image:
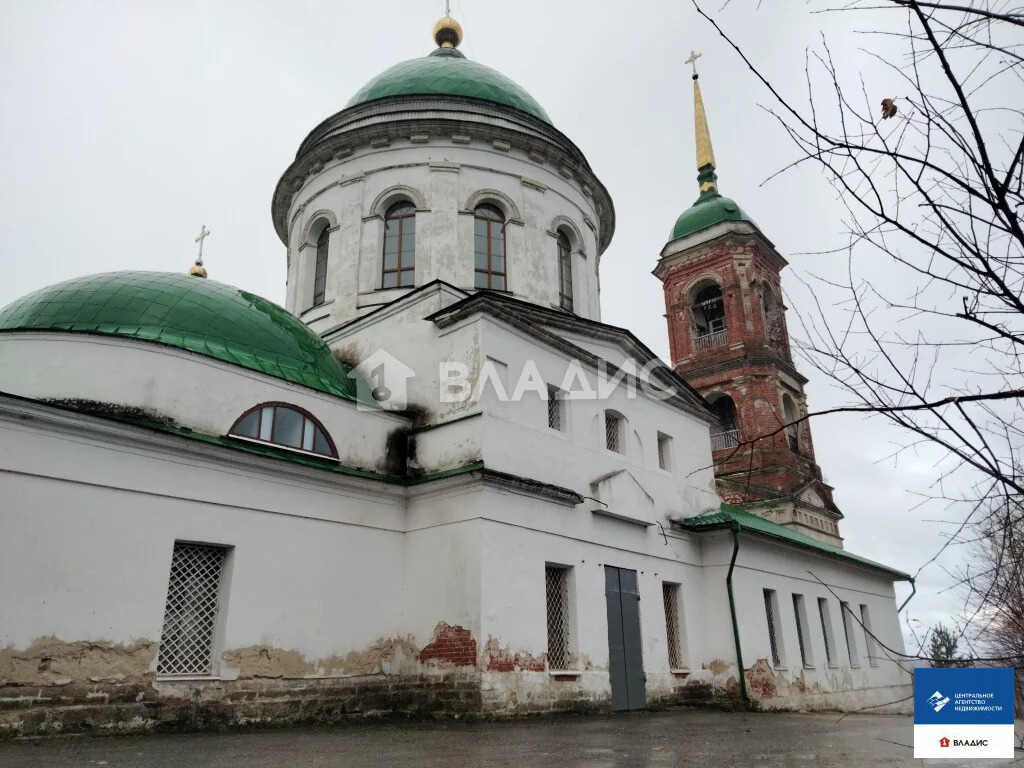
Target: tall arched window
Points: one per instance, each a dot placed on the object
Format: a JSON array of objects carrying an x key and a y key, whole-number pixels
[
  {"x": 489, "y": 247},
  {"x": 726, "y": 433},
  {"x": 564, "y": 272},
  {"x": 789, "y": 415},
  {"x": 708, "y": 318},
  {"x": 399, "y": 246},
  {"x": 320, "y": 275},
  {"x": 284, "y": 425}
]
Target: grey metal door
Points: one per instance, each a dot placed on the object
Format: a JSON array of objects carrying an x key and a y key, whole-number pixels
[{"x": 626, "y": 663}]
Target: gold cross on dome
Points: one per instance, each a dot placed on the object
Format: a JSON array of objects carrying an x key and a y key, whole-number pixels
[
  {"x": 203, "y": 234},
  {"x": 693, "y": 60}
]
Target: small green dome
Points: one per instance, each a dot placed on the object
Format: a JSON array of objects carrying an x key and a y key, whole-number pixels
[
  {"x": 202, "y": 316},
  {"x": 446, "y": 72},
  {"x": 707, "y": 211}
]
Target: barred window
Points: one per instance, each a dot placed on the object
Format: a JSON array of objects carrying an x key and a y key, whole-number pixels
[
  {"x": 806, "y": 658},
  {"x": 559, "y": 618},
  {"x": 556, "y": 409},
  {"x": 870, "y": 646},
  {"x": 826, "y": 630},
  {"x": 664, "y": 452},
  {"x": 613, "y": 432},
  {"x": 190, "y": 615},
  {"x": 851, "y": 639},
  {"x": 673, "y": 635},
  {"x": 771, "y": 609},
  {"x": 320, "y": 274}
]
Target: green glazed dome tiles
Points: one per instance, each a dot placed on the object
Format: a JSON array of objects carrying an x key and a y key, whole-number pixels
[
  {"x": 192, "y": 313},
  {"x": 448, "y": 75}
]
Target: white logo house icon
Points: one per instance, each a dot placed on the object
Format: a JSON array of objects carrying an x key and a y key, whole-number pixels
[{"x": 383, "y": 379}]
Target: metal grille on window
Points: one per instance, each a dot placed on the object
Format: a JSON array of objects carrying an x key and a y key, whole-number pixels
[
  {"x": 554, "y": 409},
  {"x": 611, "y": 433},
  {"x": 772, "y": 639},
  {"x": 190, "y": 617},
  {"x": 670, "y": 592},
  {"x": 557, "y": 581}
]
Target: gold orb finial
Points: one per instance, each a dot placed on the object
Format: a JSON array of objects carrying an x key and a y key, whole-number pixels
[
  {"x": 447, "y": 33},
  {"x": 197, "y": 269}
]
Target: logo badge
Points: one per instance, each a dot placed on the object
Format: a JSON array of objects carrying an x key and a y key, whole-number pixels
[{"x": 938, "y": 701}]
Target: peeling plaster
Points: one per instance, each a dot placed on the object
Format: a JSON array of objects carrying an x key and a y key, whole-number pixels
[{"x": 52, "y": 661}]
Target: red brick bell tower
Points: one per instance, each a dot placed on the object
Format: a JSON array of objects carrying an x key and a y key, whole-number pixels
[{"x": 728, "y": 338}]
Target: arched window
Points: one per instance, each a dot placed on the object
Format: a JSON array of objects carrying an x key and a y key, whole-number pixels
[
  {"x": 489, "y": 247},
  {"x": 614, "y": 432},
  {"x": 726, "y": 434},
  {"x": 708, "y": 318},
  {"x": 789, "y": 416},
  {"x": 284, "y": 425},
  {"x": 564, "y": 272},
  {"x": 775, "y": 325},
  {"x": 399, "y": 246},
  {"x": 320, "y": 275}
]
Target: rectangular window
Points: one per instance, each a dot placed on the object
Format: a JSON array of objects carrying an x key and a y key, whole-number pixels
[
  {"x": 806, "y": 657},
  {"x": 612, "y": 432},
  {"x": 556, "y": 408},
  {"x": 826, "y": 631},
  {"x": 664, "y": 452},
  {"x": 851, "y": 639},
  {"x": 869, "y": 636},
  {"x": 190, "y": 615},
  {"x": 559, "y": 617},
  {"x": 673, "y": 634},
  {"x": 771, "y": 610}
]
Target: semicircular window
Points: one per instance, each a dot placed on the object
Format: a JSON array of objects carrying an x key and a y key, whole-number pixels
[{"x": 286, "y": 426}]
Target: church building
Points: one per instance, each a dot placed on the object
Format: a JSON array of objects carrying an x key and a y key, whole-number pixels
[{"x": 434, "y": 482}]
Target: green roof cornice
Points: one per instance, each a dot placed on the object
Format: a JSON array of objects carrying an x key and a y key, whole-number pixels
[{"x": 728, "y": 516}]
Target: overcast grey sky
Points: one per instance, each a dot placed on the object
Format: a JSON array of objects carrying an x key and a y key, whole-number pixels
[{"x": 125, "y": 125}]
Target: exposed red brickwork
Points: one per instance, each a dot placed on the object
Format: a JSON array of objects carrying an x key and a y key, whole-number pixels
[
  {"x": 753, "y": 367},
  {"x": 453, "y": 645}
]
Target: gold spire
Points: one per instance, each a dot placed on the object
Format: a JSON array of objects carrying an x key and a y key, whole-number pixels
[
  {"x": 705, "y": 154},
  {"x": 706, "y": 178}
]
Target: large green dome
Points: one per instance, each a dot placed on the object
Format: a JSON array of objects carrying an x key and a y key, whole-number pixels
[
  {"x": 707, "y": 211},
  {"x": 202, "y": 316},
  {"x": 446, "y": 72}
]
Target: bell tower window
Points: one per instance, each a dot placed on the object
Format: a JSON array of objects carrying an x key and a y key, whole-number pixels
[
  {"x": 489, "y": 248},
  {"x": 399, "y": 270},
  {"x": 789, "y": 417},
  {"x": 708, "y": 318},
  {"x": 726, "y": 434}
]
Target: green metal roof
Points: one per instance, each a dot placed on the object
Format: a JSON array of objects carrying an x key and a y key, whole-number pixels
[
  {"x": 446, "y": 72},
  {"x": 706, "y": 212},
  {"x": 751, "y": 523},
  {"x": 193, "y": 313}
]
